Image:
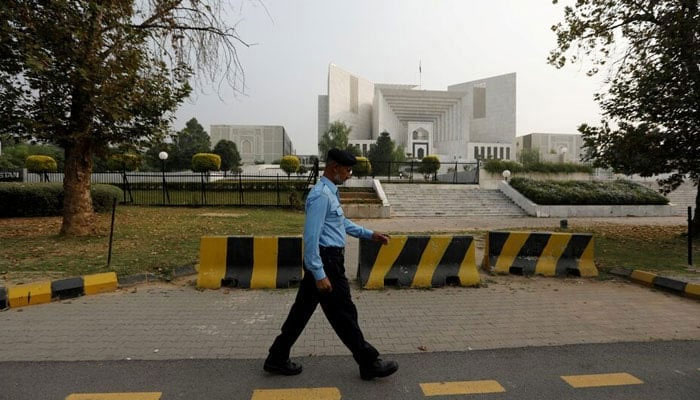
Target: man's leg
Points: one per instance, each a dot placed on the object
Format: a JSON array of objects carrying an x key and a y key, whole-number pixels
[
  {"x": 299, "y": 315},
  {"x": 342, "y": 313}
]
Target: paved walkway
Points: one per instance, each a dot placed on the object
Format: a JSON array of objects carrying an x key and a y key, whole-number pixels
[{"x": 178, "y": 322}]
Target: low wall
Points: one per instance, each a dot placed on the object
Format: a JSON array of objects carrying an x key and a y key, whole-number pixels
[
  {"x": 616, "y": 210},
  {"x": 488, "y": 180}
]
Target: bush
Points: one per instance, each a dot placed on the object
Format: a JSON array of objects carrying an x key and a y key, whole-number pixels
[
  {"x": 46, "y": 199},
  {"x": 124, "y": 162},
  {"x": 290, "y": 164},
  {"x": 618, "y": 192},
  {"x": 362, "y": 168},
  {"x": 498, "y": 166},
  {"x": 429, "y": 166},
  {"x": 205, "y": 162},
  {"x": 40, "y": 164}
]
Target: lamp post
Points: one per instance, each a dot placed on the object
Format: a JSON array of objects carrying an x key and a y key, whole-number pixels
[
  {"x": 164, "y": 156},
  {"x": 506, "y": 174},
  {"x": 563, "y": 151}
]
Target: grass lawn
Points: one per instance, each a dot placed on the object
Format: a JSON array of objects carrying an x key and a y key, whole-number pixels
[
  {"x": 146, "y": 239},
  {"x": 158, "y": 239}
]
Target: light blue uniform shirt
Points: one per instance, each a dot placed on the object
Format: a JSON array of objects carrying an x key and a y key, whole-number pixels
[{"x": 326, "y": 225}]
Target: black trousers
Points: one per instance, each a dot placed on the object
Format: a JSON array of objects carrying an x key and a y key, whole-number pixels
[{"x": 337, "y": 306}]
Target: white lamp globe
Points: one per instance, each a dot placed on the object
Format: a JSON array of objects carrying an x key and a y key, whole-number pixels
[
  {"x": 506, "y": 174},
  {"x": 163, "y": 155}
]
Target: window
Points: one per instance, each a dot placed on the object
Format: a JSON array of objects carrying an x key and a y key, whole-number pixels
[
  {"x": 476, "y": 152},
  {"x": 421, "y": 153},
  {"x": 507, "y": 153},
  {"x": 488, "y": 152},
  {"x": 353, "y": 94},
  {"x": 479, "y": 102},
  {"x": 364, "y": 148},
  {"x": 500, "y": 153}
]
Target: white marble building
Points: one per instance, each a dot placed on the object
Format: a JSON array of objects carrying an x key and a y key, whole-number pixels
[
  {"x": 467, "y": 121},
  {"x": 255, "y": 143},
  {"x": 553, "y": 147}
]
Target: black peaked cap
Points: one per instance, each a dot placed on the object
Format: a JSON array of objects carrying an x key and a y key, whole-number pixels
[{"x": 342, "y": 157}]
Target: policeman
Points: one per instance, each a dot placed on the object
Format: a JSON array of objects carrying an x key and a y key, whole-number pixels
[{"x": 324, "y": 277}]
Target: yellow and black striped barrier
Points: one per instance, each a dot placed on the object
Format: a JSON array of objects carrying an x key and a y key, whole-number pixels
[
  {"x": 44, "y": 292},
  {"x": 540, "y": 253},
  {"x": 651, "y": 279},
  {"x": 260, "y": 262},
  {"x": 418, "y": 262}
]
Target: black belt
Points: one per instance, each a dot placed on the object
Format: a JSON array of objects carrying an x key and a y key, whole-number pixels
[{"x": 332, "y": 250}]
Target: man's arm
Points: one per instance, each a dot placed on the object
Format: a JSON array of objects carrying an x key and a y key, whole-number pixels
[
  {"x": 316, "y": 209},
  {"x": 358, "y": 231}
]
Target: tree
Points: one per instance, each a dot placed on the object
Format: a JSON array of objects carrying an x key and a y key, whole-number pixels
[
  {"x": 362, "y": 168},
  {"x": 206, "y": 162},
  {"x": 189, "y": 141},
  {"x": 290, "y": 164},
  {"x": 86, "y": 74},
  {"x": 336, "y": 136},
  {"x": 384, "y": 152},
  {"x": 230, "y": 158},
  {"x": 650, "y": 102},
  {"x": 429, "y": 165}
]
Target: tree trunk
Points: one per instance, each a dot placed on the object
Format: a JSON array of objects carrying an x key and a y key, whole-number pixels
[
  {"x": 77, "y": 202},
  {"x": 696, "y": 218}
]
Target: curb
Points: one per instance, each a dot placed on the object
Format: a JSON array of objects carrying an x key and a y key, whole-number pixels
[
  {"x": 650, "y": 279},
  {"x": 67, "y": 288}
]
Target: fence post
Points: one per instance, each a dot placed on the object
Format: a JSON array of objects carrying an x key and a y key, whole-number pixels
[
  {"x": 454, "y": 179},
  {"x": 690, "y": 236},
  {"x": 411, "y": 178},
  {"x": 111, "y": 232},
  {"x": 204, "y": 193},
  {"x": 240, "y": 189},
  {"x": 477, "y": 171},
  {"x": 278, "y": 190},
  {"x": 388, "y": 172}
]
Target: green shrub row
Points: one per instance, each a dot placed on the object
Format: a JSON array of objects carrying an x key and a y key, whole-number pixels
[
  {"x": 498, "y": 166},
  {"x": 618, "y": 192},
  {"x": 46, "y": 199}
]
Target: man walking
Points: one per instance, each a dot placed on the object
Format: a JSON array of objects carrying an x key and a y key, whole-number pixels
[{"x": 324, "y": 279}]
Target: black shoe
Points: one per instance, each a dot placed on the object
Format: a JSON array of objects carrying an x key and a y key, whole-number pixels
[
  {"x": 286, "y": 367},
  {"x": 378, "y": 369}
]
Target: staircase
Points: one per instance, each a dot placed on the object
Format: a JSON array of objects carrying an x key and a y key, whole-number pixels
[
  {"x": 432, "y": 200},
  {"x": 681, "y": 198}
]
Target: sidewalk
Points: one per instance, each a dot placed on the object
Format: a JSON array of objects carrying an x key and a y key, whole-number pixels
[{"x": 161, "y": 321}]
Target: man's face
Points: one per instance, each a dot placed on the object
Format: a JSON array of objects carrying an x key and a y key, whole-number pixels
[{"x": 341, "y": 174}]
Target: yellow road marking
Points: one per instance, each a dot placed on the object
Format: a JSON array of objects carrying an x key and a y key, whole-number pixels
[
  {"x": 597, "y": 380},
  {"x": 586, "y": 265},
  {"x": 511, "y": 248},
  {"x": 212, "y": 262},
  {"x": 326, "y": 393},
  {"x": 100, "y": 283},
  {"x": 429, "y": 260},
  {"x": 693, "y": 289},
  {"x": 547, "y": 261},
  {"x": 115, "y": 396},
  {"x": 385, "y": 260},
  {"x": 264, "y": 274},
  {"x": 468, "y": 275},
  {"x": 464, "y": 387}
]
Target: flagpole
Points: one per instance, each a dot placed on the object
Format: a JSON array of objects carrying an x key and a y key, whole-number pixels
[{"x": 420, "y": 75}]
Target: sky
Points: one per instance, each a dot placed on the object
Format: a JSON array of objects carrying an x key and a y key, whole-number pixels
[{"x": 383, "y": 41}]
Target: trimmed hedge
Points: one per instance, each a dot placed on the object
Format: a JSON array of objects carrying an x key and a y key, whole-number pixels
[
  {"x": 205, "y": 162},
  {"x": 124, "y": 162},
  {"x": 362, "y": 168},
  {"x": 498, "y": 166},
  {"x": 46, "y": 199},
  {"x": 290, "y": 164},
  {"x": 39, "y": 164},
  {"x": 618, "y": 192}
]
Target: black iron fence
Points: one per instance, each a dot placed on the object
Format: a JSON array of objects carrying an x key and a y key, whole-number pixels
[
  {"x": 194, "y": 189},
  {"x": 417, "y": 172}
]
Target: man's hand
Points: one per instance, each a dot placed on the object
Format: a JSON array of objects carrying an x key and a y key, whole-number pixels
[
  {"x": 324, "y": 286},
  {"x": 380, "y": 237}
]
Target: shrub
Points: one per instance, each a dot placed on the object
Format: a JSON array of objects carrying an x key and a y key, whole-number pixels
[
  {"x": 618, "y": 192},
  {"x": 429, "y": 166},
  {"x": 46, "y": 199},
  {"x": 40, "y": 164},
  {"x": 205, "y": 162},
  {"x": 124, "y": 162},
  {"x": 362, "y": 168},
  {"x": 290, "y": 164},
  {"x": 302, "y": 170},
  {"x": 498, "y": 166}
]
